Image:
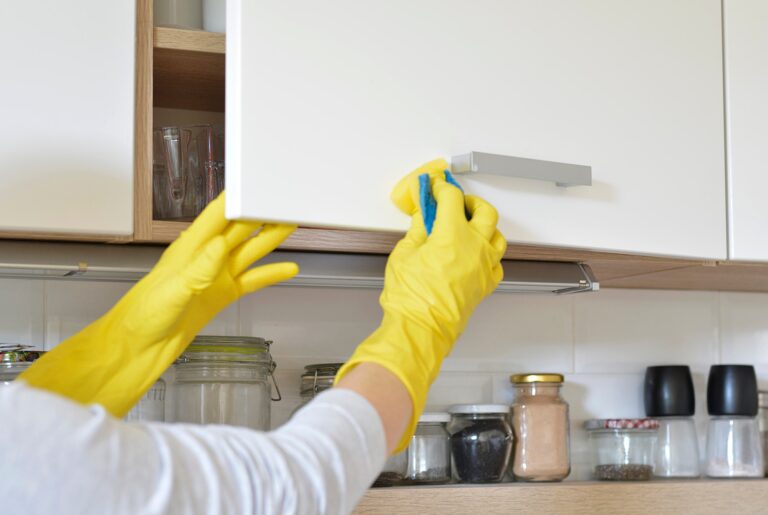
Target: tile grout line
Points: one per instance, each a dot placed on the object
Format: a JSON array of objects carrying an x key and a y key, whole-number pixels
[{"x": 45, "y": 315}]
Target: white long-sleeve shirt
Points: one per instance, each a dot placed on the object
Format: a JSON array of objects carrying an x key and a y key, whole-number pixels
[{"x": 61, "y": 457}]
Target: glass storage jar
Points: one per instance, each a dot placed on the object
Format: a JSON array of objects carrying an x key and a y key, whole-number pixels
[
  {"x": 317, "y": 378},
  {"x": 394, "y": 470},
  {"x": 15, "y": 359},
  {"x": 622, "y": 449},
  {"x": 429, "y": 452},
  {"x": 224, "y": 380},
  {"x": 481, "y": 442},
  {"x": 151, "y": 407},
  {"x": 734, "y": 447},
  {"x": 541, "y": 428}
]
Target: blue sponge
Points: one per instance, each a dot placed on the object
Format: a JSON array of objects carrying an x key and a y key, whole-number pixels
[{"x": 427, "y": 199}]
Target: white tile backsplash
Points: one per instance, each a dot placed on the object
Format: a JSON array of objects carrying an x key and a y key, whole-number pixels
[
  {"x": 601, "y": 341},
  {"x": 22, "y": 317},
  {"x": 72, "y": 305},
  {"x": 744, "y": 329},
  {"x": 509, "y": 333},
  {"x": 623, "y": 331}
]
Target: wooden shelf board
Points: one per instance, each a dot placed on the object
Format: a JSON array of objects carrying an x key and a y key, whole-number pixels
[
  {"x": 188, "y": 69},
  {"x": 191, "y": 40},
  {"x": 695, "y": 496}
]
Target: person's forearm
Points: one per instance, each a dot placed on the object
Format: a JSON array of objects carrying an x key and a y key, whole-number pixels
[
  {"x": 321, "y": 461},
  {"x": 387, "y": 395}
]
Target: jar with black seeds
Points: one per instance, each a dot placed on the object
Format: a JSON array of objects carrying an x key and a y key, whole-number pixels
[
  {"x": 623, "y": 448},
  {"x": 481, "y": 442}
]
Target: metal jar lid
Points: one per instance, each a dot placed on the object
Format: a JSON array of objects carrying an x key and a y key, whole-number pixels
[
  {"x": 633, "y": 424},
  {"x": 536, "y": 378},
  {"x": 479, "y": 409},
  {"x": 15, "y": 353},
  {"x": 229, "y": 349},
  {"x": 434, "y": 417},
  {"x": 318, "y": 377}
]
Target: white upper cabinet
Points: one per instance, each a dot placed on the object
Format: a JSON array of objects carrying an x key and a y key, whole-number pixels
[
  {"x": 67, "y": 97},
  {"x": 330, "y": 103},
  {"x": 746, "y": 72}
]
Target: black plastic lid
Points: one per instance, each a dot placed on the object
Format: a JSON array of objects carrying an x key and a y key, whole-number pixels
[
  {"x": 732, "y": 391},
  {"x": 669, "y": 391}
]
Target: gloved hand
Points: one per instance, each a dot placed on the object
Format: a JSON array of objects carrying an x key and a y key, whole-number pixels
[
  {"x": 118, "y": 357},
  {"x": 432, "y": 285}
]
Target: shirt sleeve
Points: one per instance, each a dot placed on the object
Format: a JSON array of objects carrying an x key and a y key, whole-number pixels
[{"x": 60, "y": 456}]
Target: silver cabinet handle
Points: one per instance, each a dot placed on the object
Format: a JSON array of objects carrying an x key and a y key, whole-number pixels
[{"x": 563, "y": 174}]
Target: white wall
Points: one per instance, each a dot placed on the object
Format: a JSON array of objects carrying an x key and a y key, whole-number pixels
[{"x": 601, "y": 341}]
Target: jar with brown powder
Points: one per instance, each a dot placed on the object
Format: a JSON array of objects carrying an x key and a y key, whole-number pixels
[{"x": 541, "y": 428}]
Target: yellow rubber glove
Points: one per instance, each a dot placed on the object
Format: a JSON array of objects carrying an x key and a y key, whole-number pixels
[
  {"x": 432, "y": 285},
  {"x": 117, "y": 358}
]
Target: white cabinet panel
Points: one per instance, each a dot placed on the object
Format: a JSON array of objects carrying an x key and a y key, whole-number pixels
[
  {"x": 330, "y": 103},
  {"x": 746, "y": 71},
  {"x": 66, "y": 137}
]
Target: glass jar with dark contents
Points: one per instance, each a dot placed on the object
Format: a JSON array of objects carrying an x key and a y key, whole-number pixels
[
  {"x": 15, "y": 359},
  {"x": 622, "y": 448},
  {"x": 481, "y": 442}
]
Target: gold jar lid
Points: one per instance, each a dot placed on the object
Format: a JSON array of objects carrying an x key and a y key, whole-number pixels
[{"x": 536, "y": 378}]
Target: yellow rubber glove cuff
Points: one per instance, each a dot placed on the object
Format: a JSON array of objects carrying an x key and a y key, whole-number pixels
[
  {"x": 117, "y": 358},
  {"x": 432, "y": 285}
]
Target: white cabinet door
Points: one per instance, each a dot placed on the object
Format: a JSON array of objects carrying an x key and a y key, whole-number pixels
[
  {"x": 746, "y": 71},
  {"x": 66, "y": 134},
  {"x": 330, "y": 103}
]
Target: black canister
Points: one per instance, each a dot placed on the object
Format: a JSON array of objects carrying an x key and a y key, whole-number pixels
[{"x": 732, "y": 391}]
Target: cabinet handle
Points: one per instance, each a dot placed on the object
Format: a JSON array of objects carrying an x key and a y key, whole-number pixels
[{"x": 562, "y": 174}]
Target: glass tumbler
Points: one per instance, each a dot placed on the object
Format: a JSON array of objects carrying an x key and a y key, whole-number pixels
[
  {"x": 429, "y": 453},
  {"x": 151, "y": 407}
]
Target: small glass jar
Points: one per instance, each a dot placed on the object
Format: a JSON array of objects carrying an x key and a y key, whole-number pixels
[
  {"x": 541, "y": 428},
  {"x": 394, "y": 470},
  {"x": 734, "y": 448},
  {"x": 622, "y": 449},
  {"x": 481, "y": 442},
  {"x": 762, "y": 421},
  {"x": 317, "y": 378},
  {"x": 224, "y": 380},
  {"x": 15, "y": 359},
  {"x": 429, "y": 453},
  {"x": 151, "y": 407}
]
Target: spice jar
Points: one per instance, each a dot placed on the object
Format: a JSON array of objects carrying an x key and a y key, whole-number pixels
[
  {"x": 224, "y": 380},
  {"x": 762, "y": 420},
  {"x": 670, "y": 399},
  {"x": 429, "y": 452},
  {"x": 541, "y": 428},
  {"x": 151, "y": 407},
  {"x": 622, "y": 449},
  {"x": 394, "y": 470},
  {"x": 15, "y": 359},
  {"x": 481, "y": 442},
  {"x": 734, "y": 447}
]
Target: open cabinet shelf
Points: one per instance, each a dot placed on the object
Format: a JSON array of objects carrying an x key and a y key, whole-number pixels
[
  {"x": 188, "y": 69},
  {"x": 694, "y": 496}
]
